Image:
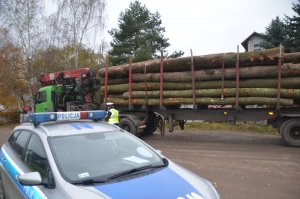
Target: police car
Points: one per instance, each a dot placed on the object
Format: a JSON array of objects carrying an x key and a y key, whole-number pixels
[{"x": 76, "y": 155}]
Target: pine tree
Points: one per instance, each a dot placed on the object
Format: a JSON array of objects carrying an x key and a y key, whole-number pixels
[
  {"x": 139, "y": 32},
  {"x": 275, "y": 34},
  {"x": 293, "y": 30}
]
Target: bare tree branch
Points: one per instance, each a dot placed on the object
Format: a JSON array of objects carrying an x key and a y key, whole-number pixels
[
  {"x": 77, "y": 17},
  {"x": 23, "y": 18}
]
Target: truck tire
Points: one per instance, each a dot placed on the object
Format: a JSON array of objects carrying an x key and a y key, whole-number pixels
[
  {"x": 181, "y": 124},
  {"x": 290, "y": 132},
  {"x": 128, "y": 125},
  {"x": 151, "y": 125},
  {"x": 150, "y": 129}
]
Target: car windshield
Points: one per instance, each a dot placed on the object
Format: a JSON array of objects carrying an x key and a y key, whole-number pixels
[{"x": 101, "y": 155}]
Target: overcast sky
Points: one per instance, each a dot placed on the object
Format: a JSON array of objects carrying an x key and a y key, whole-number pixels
[{"x": 207, "y": 26}]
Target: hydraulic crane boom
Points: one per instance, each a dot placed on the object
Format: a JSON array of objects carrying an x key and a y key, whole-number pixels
[
  {"x": 52, "y": 78},
  {"x": 67, "y": 90}
]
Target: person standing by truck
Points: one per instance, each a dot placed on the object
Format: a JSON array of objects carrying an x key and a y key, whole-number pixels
[{"x": 112, "y": 114}]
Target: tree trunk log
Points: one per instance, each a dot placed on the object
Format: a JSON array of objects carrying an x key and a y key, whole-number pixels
[
  {"x": 265, "y": 57},
  {"x": 290, "y": 82},
  {"x": 292, "y": 58},
  {"x": 204, "y": 101},
  {"x": 228, "y": 92},
  {"x": 216, "y": 74},
  {"x": 118, "y": 80}
]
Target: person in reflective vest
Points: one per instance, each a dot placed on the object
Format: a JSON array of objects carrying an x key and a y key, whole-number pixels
[{"x": 112, "y": 114}]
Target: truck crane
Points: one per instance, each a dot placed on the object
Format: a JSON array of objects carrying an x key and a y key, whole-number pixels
[
  {"x": 72, "y": 90},
  {"x": 75, "y": 90}
]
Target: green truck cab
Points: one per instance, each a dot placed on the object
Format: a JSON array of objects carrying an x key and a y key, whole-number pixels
[
  {"x": 45, "y": 99},
  {"x": 72, "y": 90},
  {"x": 57, "y": 98}
]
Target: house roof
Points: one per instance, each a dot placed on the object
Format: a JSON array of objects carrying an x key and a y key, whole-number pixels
[{"x": 245, "y": 42}]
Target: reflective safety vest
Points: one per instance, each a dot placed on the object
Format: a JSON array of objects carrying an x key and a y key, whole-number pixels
[{"x": 114, "y": 118}]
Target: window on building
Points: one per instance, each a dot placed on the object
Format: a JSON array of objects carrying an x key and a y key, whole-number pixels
[{"x": 257, "y": 47}]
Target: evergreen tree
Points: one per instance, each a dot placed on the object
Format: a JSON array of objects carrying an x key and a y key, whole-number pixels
[
  {"x": 293, "y": 28},
  {"x": 176, "y": 54},
  {"x": 275, "y": 34},
  {"x": 139, "y": 32}
]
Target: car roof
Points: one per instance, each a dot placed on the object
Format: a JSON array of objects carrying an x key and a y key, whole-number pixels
[{"x": 64, "y": 128}]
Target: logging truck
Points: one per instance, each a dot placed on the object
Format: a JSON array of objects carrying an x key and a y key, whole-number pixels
[
  {"x": 76, "y": 90},
  {"x": 231, "y": 87}
]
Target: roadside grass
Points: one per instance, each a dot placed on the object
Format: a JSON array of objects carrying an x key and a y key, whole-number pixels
[{"x": 248, "y": 127}]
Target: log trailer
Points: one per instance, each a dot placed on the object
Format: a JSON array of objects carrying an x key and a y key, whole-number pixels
[
  {"x": 75, "y": 90},
  {"x": 285, "y": 119}
]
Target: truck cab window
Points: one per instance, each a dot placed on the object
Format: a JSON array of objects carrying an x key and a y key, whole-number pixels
[{"x": 42, "y": 97}]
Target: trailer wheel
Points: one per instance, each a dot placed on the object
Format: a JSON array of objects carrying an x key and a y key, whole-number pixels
[
  {"x": 290, "y": 132},
  {"x": 181, "y": 124},
  {"x": 127, "y": 125}
]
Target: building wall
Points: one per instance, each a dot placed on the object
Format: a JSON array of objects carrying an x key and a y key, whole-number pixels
[{"x": 254, "y": 43}]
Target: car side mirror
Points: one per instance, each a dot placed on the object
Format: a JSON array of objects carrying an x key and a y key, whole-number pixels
[{"x": 30, "y": 179}]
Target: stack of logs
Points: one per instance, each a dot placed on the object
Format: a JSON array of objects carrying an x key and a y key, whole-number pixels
[{"x": 266, "y": 77}]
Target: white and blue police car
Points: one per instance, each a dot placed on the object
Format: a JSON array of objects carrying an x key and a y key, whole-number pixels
[{"x": 76, "y": 155}]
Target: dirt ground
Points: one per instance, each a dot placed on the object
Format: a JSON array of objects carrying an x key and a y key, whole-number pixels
[{"x": 240, "y": 165}]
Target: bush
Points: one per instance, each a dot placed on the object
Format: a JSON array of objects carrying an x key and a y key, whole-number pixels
[{"x": 10, "y": 116}]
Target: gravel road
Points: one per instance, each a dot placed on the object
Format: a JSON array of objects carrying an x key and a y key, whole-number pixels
[{"x": 241, "y": 165}]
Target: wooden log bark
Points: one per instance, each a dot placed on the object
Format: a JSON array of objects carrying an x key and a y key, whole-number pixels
[
  {"x": 265, "y": 57},
  {"x": 288, "y": 69},
  {"x": 118, "y": 80},
  {"x": 292, "y": 58},
  {"x": 204, "y": 101},
  {"x": 289, "y": 82},
  {"x": 228, "y": 92}
]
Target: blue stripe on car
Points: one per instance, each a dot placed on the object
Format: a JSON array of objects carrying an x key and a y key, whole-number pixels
[
  {"x": 163, "y": 184},
  {"x": 13, "y": 170},
  {"x": 79, "y": 126}
]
